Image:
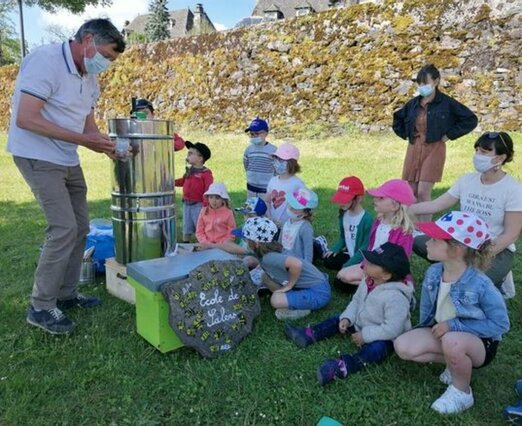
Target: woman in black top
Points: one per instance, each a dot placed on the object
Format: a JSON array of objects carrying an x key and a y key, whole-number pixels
[{"x": 428, "y": 121}]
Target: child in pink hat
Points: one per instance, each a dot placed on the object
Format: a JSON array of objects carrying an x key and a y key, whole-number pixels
[
  {"x": 393, "y": 223},
  {"x": 216, "y": 220},
  {"x": 286, "y": 167},
  {"x": 462, "y": 314}
]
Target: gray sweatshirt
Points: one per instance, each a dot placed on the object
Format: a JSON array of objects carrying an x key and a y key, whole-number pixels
[{"x": 382, "y": 314}]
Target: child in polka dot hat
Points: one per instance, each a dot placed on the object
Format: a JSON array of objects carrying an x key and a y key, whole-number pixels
[
  {"x": 462, "y": 314},
  {"x": 466, "y": 228}
]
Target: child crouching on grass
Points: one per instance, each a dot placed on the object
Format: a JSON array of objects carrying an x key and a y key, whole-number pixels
[
  {"x": 377, "y": 314},
  {"x": 297, "y": 285},
  {"x": 462, "y": 314}
]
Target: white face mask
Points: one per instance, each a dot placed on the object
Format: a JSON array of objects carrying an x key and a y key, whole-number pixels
[
  {"x": 482, "y": 163},
  {"x": 280, "y": 166},
  {"x": 256, "y": 140},
  {"x": 97, "y": 64},
  {"x": 292, "y": 215}
]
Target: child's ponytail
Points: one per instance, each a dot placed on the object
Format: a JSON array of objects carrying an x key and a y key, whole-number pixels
[
  {"x": 480, "y": 258},
  {"x": 307, "y": 214}
]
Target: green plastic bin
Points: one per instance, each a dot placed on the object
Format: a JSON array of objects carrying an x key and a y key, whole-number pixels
[{"x": 152, "y": 311}]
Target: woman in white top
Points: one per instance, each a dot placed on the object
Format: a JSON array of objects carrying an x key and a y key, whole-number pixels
[{"x": 489, "y": 193}]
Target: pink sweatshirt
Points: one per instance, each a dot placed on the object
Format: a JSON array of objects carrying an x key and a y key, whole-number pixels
[{"x": 215, "y": 225}]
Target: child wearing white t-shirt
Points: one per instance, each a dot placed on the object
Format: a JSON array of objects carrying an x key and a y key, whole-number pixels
[
  {"x": 354, "y": 224},
  {"x": 285, "y": 182}
]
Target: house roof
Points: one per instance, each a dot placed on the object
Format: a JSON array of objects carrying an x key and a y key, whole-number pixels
[
  {"x": 287, "y": 7},
  {"x": 304, "y": 5},
  {"x": 183, "y": 20}
]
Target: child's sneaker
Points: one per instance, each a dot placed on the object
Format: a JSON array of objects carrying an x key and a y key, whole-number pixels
[
  {"x": 453, "y": 401},
  {"x": 518, "y": 387},
  {"x": 513, "y": 413},
  {"x": 51, "y": 320},
  {"x": 80, "y": 301},
  {"x": 507, "y": 287},
  {"x": 445, "y": 377},
  {"x": 291, "y": 314},
  {"x": 256, "y": 275},
  {"x": 331, "y": 369},
  {"x": 321, "y": 242},
  {"x": 301, "y": 336}
]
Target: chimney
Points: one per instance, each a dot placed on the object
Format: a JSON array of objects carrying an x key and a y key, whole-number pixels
[{"x": 199, "y": 14}]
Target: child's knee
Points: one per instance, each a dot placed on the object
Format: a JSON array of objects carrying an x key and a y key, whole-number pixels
[
  {"x": 350, "y": 274},
  {"x": 278, "y": 300},
  {"x": 401, "y": 345},
  {"x": 452, "y": 345}
]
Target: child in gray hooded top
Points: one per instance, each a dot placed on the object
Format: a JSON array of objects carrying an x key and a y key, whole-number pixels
[{"x": 378, "y": 313}]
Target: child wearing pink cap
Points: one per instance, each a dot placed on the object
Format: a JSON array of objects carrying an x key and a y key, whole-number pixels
[
  {"x": 355, "y": 225},
  {"x": 462, "y": 314},
  {"x": 216, "y": 220},
  {"x": 285, "y": 182},
  {"x": 393, "y": 223}
]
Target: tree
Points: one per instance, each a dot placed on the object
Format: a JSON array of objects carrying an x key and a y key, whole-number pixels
[
  {"x": 74, "y": 6},
  {"x": 157, "y": 27},
  {"x": 9, "y": 46},
  {"x": 57, "y": 33}
]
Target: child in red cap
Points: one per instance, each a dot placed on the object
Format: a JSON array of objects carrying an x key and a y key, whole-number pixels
[
  {"x": 462, "y": 314},
  {"x": 354, "y": 224}
]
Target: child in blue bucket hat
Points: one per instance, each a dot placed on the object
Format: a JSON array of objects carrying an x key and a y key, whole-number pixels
[{"x": 297, "y": 234}]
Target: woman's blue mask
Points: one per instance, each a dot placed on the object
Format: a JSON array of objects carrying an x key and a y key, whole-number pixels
[
  {"x": 425, "y": 90},
  {"x": 97, "y": 64}
]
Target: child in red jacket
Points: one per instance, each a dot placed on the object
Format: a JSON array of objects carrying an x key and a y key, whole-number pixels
[{"x": 195, "y": 183}]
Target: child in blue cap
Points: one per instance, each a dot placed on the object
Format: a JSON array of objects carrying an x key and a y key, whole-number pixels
[{"x": 257, "y": 159}]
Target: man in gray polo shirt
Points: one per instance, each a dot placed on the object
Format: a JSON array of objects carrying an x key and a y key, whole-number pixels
[{"x": 52, "y": 113}]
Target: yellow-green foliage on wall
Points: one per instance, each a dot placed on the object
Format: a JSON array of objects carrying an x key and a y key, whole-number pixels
[{"x": 351, "y": 65}]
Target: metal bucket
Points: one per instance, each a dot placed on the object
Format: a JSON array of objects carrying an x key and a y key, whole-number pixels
[
  {"x": 87, "y": 272},
  {"x": 143, "y": 203}
]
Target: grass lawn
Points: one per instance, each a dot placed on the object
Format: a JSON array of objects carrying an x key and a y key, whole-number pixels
[{"x": 104, "y": 373}]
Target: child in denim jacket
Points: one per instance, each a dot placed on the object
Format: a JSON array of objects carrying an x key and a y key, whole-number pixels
[{"x": 462, "y": 314}]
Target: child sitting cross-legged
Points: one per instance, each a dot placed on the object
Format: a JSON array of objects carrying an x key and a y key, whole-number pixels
[
  {"x": 377, "y": 314},
  {"x": 297, "y": 234}
]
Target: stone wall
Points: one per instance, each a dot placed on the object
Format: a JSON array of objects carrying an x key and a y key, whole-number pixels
[{"x": 344, "y": 66}]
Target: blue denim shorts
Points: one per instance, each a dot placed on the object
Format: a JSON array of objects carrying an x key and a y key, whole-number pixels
[{"x": 312, "y": 298}]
